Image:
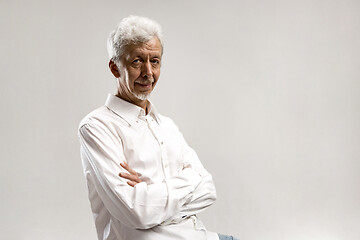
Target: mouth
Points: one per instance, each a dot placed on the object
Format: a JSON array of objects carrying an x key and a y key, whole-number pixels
[{"x": 144, "y": 86}]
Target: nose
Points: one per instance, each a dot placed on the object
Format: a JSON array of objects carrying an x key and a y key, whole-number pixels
[{"x": 146, "y": 71}]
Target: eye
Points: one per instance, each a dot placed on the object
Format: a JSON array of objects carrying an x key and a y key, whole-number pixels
[
  {"x": 155, "y": 61},
  {"x": 136, "y": 62}
]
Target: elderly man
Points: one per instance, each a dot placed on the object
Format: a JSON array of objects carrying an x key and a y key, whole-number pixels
[{"x": 144, "y": 181}]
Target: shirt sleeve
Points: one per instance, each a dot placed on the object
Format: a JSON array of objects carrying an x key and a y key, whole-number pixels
[
  {"x": 143, "y": 206},
  {"x": 204, "y": 194}
]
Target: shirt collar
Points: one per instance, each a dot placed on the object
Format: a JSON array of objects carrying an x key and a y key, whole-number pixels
[{"x": 128, "y": 111}]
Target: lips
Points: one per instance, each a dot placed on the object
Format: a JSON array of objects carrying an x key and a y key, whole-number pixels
[
  {"x": 146, "y": 82},
  {"x": 144, "y": 86}
]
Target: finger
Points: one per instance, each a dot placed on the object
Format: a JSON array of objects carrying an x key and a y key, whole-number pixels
[
  {"x": 130, "y": 177},
  {"x": 127, "y": 176},
  {"x": 131, "y": 183},
  {"x": 129, "y": 169}
]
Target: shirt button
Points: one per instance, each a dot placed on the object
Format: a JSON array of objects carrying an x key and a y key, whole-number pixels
[{"x": 162, "y": 143}]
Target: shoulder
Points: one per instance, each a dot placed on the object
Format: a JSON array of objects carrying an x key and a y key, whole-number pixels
[
  {"x": 102, "y": 118},
  {"x": 96, "y": 115}
]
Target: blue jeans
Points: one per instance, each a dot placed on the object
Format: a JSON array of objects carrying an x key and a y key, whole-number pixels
[{"x": 226, "y": 237}]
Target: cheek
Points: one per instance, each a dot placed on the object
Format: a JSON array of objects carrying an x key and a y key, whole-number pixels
[
  {"x": 132, "y": 76},
  {"x": 157, "y": 74}
]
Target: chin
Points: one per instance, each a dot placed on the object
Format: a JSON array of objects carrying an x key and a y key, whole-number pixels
[{"x": 142, "y": 96}]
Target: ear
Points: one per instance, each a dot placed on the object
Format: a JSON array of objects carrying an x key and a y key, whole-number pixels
[{"x": 114, "y": 69}]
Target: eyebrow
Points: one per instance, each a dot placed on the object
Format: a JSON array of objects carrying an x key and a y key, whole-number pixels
[{"x": 141, "y": 56}]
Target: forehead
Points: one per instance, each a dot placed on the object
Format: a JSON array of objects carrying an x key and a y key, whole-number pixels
[{"x": 150, "y": 48}]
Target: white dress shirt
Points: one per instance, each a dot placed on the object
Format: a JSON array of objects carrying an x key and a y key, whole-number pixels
[{"x": 174, "y": 188}]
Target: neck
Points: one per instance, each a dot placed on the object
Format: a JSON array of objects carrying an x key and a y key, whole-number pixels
[{"x": 133, "y": 100}]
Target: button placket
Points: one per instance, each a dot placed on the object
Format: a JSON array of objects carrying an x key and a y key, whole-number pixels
[{"x": 164, "y": 161}]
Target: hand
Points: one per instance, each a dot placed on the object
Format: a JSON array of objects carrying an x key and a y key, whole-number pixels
[{"x": 133, "y": 176}]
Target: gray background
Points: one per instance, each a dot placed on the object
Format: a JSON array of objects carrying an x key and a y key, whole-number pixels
[{"x": 266, "y": 92}]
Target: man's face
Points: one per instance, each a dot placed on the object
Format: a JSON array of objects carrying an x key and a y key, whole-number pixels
[{"x": 140, "y": 70}]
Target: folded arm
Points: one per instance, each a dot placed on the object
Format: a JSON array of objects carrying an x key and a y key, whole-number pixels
[
  {"x": 140, "y": 206},
  {"x": 202, "y": 197},
  {"x": 204, "y": 193}
]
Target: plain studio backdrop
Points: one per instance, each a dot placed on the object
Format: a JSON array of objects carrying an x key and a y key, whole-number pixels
[{"x": 266, "y": 92}]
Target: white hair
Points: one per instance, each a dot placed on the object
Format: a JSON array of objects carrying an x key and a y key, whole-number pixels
[{"x": 131, "y": 30}]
